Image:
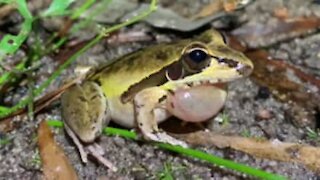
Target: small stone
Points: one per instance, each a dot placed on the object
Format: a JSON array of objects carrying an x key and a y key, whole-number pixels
[
  {"x": 263, "y": 93},
  {"x": 264, "y": 114}
]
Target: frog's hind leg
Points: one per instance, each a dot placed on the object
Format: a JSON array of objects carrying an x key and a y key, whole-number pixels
[
  {"x": 76, "y": 141},
  {"x": 85, "y": 112},
  {"x": 97, "y": 152},
  {"x": 148, "y": 114}
]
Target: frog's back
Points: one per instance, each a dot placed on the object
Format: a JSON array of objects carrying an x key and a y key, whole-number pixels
[{"x": 129, "y": 70}]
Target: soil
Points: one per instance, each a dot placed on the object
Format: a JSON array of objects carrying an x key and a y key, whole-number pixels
[{"x": 19, "y": 159}]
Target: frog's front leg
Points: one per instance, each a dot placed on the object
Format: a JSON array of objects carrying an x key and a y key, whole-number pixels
[{"x": 149, "y": 113}]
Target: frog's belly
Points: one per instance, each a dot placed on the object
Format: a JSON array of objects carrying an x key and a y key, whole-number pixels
[{"x": 123, "y": 114}]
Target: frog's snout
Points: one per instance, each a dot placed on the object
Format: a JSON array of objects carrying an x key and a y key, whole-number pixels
[{"x": 244, "y": 69}]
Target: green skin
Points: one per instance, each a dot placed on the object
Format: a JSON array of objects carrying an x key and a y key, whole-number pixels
[{"x": 132, "y": 90}]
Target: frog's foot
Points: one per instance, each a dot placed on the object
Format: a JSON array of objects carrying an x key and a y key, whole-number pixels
[
  {"x": 98, "y": 148},
  {"x": 165, "y": 138},
  {"x": 76, "y": 141},
  {"x": 95, "y": 151},
  {"x": 148, "y": 114}
]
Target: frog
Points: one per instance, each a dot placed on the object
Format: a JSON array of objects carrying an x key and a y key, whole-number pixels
[{"x": 139, "y": 89}]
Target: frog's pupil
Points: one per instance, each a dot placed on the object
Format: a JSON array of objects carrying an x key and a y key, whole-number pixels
[{"x": 198, "y": 55}]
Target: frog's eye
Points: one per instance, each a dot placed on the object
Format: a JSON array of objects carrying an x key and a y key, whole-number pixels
[
  {"x": 195, "y": 59},
  {"x": 198, "y": 55}
]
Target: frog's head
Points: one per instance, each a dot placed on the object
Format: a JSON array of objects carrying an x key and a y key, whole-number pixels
[
  {"x": 209, "y": 60},
  {"x": 205, "y": 59}
]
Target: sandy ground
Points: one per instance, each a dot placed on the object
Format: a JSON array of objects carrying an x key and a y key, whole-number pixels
[{"x": 19, "y": 158}]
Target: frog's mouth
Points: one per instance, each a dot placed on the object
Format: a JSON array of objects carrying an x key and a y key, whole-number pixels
[
  {"x": 218, "y": 85},
  {"x": 213, "y": 76}
]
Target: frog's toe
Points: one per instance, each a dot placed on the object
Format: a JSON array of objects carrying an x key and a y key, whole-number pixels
[
  {"x": 81, "y": 148},
  {"x": 165, "y": 138},
  {"x": 95, "y": 152}
]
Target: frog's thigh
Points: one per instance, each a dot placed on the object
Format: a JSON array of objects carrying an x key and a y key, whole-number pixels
[{"x": 85, "y": 110}]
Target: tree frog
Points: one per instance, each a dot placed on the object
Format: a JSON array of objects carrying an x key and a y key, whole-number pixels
[{"x": 141, "y": 88}]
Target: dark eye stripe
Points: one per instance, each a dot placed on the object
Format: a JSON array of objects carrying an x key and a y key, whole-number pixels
[
  {"x": 230, "y": 62},
  {"x": 224, "y": 37}
]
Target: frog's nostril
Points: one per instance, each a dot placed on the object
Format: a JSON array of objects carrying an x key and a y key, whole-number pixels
[{"x": 244, "y": 70}]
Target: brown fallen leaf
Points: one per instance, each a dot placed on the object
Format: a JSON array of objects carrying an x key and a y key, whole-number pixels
[
  {"x": 6, "y": 10},
  {"x": 281, "y": 13},
  {"x": 212, "y": 8},
  {"x": 55, "y": 164},
  {"x": 230, "y": 5},
  {"x": 277, "y": 76},
  {"x": 275, "y": 150},
  {"x": 218, "y": 6},
  {"x": 274, "y": 74},
  {"x": 6, "y": 125}
]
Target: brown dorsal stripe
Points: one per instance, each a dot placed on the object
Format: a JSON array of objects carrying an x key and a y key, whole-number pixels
[{"x": 154, "y": 79}]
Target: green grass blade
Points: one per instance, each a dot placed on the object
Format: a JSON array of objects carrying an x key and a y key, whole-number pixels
[
  {"x": 77, "y": 13},
  {"x": 217, "y": 161},
  {"x": 152, "y": 7},
  {"x": 105, "y": 32},
  {"x": 9, "y": 43},
  {"x": 221, "y": 162},
  {"x": 57, "y": 8},
  {"x": 6, "y": 76},
  {"x": 120, "y": 132},
  {"x": 55, "y": 123},
  {"x": 3, "y": 109}
]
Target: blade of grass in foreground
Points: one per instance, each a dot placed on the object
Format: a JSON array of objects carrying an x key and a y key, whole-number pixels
[
  {"x": 104, "y": 32},
  {"x": 217, "y": 161},
  {"x": 9, "y": 44}
]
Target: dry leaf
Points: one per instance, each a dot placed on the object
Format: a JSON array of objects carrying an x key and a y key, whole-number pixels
[
  {"x": 218, "y": 6},
  {"x": 281, "y": 13},
  {"x": 212, "y": 8},
  {"x": 273, "y": 73},
  {"x": 6, "y": 10},
  {"x": 55, "y": 164},
  {"x": 275, "y": 150}
]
